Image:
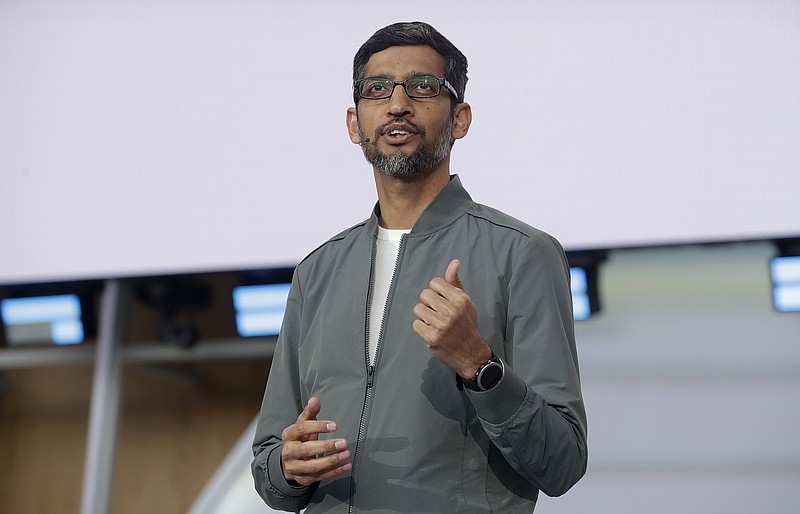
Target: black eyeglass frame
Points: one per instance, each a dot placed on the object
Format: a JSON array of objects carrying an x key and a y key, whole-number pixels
[{"x": 442, "y": 82}]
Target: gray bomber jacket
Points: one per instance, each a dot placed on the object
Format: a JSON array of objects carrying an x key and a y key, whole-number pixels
[{"x": 420, "y": 444}]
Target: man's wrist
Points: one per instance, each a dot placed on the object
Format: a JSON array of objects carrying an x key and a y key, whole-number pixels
[
  {"x": 481, "y": 358},
  {"x": 486, "y": 377}
]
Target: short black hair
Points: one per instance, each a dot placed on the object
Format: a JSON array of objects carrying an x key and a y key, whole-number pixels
[{"x": 415, "y": 33}]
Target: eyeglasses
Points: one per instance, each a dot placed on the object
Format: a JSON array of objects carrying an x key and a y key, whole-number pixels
[{"x": 419, "y": 86}]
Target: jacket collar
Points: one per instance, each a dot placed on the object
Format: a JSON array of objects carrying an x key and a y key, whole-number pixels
[{"x": 443, "y": 210}]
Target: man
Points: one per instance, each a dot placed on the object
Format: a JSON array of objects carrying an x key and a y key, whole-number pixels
[{"x": 395, "y": 388}]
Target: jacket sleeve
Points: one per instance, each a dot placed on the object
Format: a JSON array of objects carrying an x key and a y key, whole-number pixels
[
  {"x": 535, "y": 414},
  {"x": 281, "y": 405}
]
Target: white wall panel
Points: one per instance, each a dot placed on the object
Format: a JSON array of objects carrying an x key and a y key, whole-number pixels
[{"x": 174, "y": 136}]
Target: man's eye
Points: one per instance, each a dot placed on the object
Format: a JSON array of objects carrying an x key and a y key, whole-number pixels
[
  {"x": 375, "y": 88},
  {"x": 377, "y": 85},
  {"x": 423, "y": 86}
]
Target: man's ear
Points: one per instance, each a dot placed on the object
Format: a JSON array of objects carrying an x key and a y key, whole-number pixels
[
  {"x": 462, "y": 119},
  {"x": 352, "y": 125}
]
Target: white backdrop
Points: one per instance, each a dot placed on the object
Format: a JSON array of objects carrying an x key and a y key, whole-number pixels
[{"x": 175, "y": 136}]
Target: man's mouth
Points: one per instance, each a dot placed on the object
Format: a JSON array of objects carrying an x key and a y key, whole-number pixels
[{"x": 397, "y": 134}]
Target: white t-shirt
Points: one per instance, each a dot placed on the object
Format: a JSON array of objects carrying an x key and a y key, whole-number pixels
[{"x": 388, "y": 247}]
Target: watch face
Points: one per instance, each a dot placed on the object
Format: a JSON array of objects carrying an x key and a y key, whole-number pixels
[{"x": 490, "y": 375}]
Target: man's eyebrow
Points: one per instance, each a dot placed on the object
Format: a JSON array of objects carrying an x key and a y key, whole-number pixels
[{"x": 388, "y": 75}]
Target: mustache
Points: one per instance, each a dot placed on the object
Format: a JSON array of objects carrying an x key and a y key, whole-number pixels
[{"x": 420, "y": 130}]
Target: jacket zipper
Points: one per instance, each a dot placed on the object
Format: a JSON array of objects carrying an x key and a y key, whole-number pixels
[{"x": 369, "y": 365}]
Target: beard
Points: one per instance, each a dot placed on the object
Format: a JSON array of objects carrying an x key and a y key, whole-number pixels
[{"x": 419, "y": 162}]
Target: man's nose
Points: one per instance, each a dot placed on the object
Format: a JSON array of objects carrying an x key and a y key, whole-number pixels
[{"x": 400, "y": 104}]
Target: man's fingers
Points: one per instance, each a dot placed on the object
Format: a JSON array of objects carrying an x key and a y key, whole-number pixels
[
  {"x": 304, "y": 458},
  {"x": 309, "y": 412},
  {"x": 444, "y": 286},
  {"x": 422, "y": 312},
  {"x": 312, "y": 449},
  {"x": 443, "y": 298},
  {"x": 312, "y": 461},
  {"x": 309, "y": 471},
  {"x": 337, "y": 471},
  {"x": 317, "y": 475},
  {"x": 307, "y": 430},
  {"x": 433, "y": 300},
  {"x": 423, "y": 330}
]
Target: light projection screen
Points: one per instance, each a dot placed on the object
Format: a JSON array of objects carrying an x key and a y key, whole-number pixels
[{"x": 150, "y": 137}]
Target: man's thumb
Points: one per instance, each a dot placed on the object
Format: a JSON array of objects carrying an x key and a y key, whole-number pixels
[
  {"x": 311, "y": 409},
  {"x": 451, "y": 275}
]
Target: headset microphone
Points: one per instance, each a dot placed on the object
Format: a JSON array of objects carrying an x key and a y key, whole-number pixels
[{"x": 363, "y": 141}]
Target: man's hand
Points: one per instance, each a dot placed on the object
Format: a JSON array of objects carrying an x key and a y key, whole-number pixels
[
  {"x": 448, "y": 323},
  {"x": 304, "y": 458}
]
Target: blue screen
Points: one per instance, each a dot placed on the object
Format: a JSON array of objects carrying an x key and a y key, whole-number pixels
[{"x": 37, "y": 319}]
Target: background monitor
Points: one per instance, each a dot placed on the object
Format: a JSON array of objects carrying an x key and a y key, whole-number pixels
[{"x": 53, "y": 319}]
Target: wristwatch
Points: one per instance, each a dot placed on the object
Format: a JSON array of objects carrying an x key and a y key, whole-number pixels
[{"x": 487, "y": 376}]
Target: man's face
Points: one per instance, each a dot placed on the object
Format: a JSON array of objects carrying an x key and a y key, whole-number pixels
[{"x": 408, "y": 137}]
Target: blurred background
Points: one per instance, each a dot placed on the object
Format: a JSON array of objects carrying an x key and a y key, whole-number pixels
[{"x": 164, "y": 165}]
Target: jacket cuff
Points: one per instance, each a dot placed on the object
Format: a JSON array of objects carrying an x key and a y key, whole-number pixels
[
  {"x": 276, "y": 478},
  {"x": 500, "y": 402}
]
